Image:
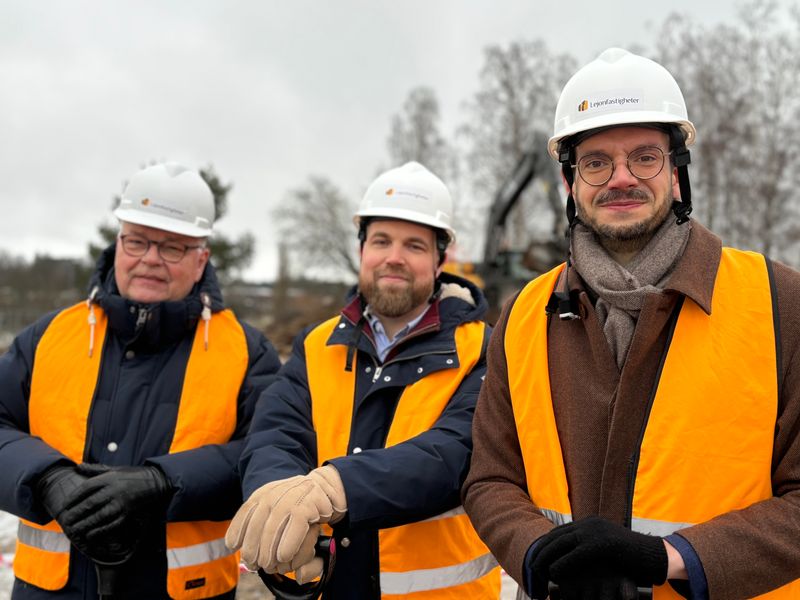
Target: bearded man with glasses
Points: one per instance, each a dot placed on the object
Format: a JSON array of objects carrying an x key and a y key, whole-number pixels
[
  {"x": 638, "y": 424},
  {"x": 122, "y": 418}
]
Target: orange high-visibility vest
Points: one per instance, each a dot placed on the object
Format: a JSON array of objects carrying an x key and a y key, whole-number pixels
[
  {"x": 436, "y": 559},
  {"x": 62, "y": 387},
  {"x": 683, "y": 477}
]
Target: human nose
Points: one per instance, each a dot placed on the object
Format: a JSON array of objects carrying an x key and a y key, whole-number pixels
[
  {"x": 152, "y": 255},
  {"x": 396, "y": 254},
  {"x": 621, "y": 176}
]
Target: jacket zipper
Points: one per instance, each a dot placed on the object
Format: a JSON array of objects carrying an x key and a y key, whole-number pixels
[
  {"x": 379, "y": 368},
  {"x": 141, "y": 318},
  {"x": 633, "y": 463}
]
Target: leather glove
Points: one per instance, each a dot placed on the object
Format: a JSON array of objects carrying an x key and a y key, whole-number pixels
[
  {"x": 272, "y": 527},
  {"x": 309, "y": 571},
  {"x": 57, "y": 487},
  {"x": 114, "y": 498},
  {"x": 596, "y": 546},
  {"x": 304, "y": 554}
]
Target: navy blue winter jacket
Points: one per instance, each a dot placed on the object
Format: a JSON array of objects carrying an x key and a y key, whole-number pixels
[
  {"x": 384, "y": 487},
  {"x": 135, "y": 406}
]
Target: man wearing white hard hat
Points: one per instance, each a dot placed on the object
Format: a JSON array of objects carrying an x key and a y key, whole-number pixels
[
  {"x": 122, "y": 418},
  {"x": 638, "y": 426},
  {"x": 367, "y": 430}
]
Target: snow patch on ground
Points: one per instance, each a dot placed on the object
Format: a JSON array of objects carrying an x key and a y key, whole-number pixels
[{"x": 8, "y": 533}]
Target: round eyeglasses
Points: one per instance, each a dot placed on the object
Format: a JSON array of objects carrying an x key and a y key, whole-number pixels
[
  {"x": 169, "y": 251},
  {"x": 644, "y": 163}
]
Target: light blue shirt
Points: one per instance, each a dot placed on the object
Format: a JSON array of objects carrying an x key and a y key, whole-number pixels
[{"x": 382, "y": 342}]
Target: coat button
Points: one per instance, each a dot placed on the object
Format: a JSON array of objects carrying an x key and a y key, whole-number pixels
[
  {"x": 342, "y": 325},
  {"x": 356, "y": 450},
  {"x": 387, "y": 378},
  {"x": 130, "y": 354},
  {"x": 368, "y": 370},
  {"x": 449, "y": 361},
  {"x": 419, "y": 369},
  {"x": 112, "y": 446},
  {"x": 345, "y": 543}
]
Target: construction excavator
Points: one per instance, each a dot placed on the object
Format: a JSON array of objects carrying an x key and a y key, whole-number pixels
[{"x": 504, "y": 269}]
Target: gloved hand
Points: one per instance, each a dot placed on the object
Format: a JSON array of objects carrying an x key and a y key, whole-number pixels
[
  {"x": 272, "y": 528},
  {"x": 113, "y": 499},
  {"x": 57, "y": 487},
  {"x": 596, "y": 546},
  {"x": 309, "y": 571}
]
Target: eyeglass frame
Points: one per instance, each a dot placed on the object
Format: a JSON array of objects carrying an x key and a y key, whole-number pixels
[
  {"x": 186, "y": 247},
  {"x": 664, "y": 156}
]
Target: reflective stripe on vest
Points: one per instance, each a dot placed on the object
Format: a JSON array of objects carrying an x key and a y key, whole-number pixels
[
  {"x": 441, "y": 557},
  {"x": 199, "y": 564},
  {"x": 682, "y": 477}
]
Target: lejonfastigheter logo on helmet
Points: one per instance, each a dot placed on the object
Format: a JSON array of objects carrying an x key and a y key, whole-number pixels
[
  {"x": 612, "y": 100},
  {"x": 408, "y": 193},
  {"x": 167, "y": 209}
]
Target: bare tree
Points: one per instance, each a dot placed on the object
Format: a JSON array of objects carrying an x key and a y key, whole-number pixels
[
  {"x": 416, "y": 133},
  {"x": 315, "y": 224},
  {"x": 740, "y": 83},
  {"x": 510, "y": 114}
]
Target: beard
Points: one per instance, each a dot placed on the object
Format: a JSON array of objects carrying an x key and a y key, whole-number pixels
[
  {"x": 629, "y": 237},
  {"x": 393, "y": 300}
]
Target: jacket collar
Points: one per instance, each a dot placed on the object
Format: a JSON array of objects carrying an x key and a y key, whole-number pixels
[
  {"x": 445, "y": 313},
  {"x": 151, "y": 325},
  {"x": 695, "y": 271}
]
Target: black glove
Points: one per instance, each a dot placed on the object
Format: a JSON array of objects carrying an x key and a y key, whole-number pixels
[
  {"x": 57, "y": 487},
  {"x": 114, "y": 499},
  {"x": 56, "y": 490},
  {"x": 595, "y": 546}
]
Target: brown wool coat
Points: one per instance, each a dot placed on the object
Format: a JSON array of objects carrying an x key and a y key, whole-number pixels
[{"x": 599, "y": 412}]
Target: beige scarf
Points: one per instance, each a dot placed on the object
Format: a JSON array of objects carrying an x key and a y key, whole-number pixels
[{"x": 621, "y": 290}]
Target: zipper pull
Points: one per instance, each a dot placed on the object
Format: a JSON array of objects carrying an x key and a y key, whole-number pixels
[
  {"x": 141, "y": 318},
  {"x": 377, "y": 374}
]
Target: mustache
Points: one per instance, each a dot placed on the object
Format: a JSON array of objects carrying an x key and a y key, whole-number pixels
[
  {"x": 607, "y": 196},
  {"x": 399, "y": 271}
]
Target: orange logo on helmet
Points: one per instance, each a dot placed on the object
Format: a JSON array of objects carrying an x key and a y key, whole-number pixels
[
  {"x": 583, "y": 106},
  {"x": 145, "y": 201},
  {"x": 390, "y": 191}
]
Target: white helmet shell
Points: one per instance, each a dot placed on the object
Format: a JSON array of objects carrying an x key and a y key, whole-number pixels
[
  {"x": 169, "y": 197},
  {"x": 409, "y": 193},
  {"x": 619, "y": 88}
]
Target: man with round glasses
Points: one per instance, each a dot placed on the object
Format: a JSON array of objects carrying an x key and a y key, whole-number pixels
[
  {"x": 638, "y": 422},
  {"x": 122, "y": 418}
]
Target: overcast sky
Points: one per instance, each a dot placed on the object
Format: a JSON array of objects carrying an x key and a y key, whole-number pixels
[{"x": 266, "y": 91}]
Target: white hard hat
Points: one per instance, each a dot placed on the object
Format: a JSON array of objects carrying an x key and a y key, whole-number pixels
[
  {"x": 619, "y": 88},
  {"x": 410, "y": 193},
  {"x": 170, "y": 197}
]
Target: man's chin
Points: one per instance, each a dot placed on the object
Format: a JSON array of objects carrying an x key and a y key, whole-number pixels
[{"x": 148, "y": 294}]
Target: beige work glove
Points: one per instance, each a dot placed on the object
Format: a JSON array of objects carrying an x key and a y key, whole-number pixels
[
  {"x": 274, "y": 527},
  {"x": 309, "y": 571}
]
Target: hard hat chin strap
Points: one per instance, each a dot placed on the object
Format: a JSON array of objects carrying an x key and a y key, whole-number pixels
[{"x": 681, "y": 159}]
